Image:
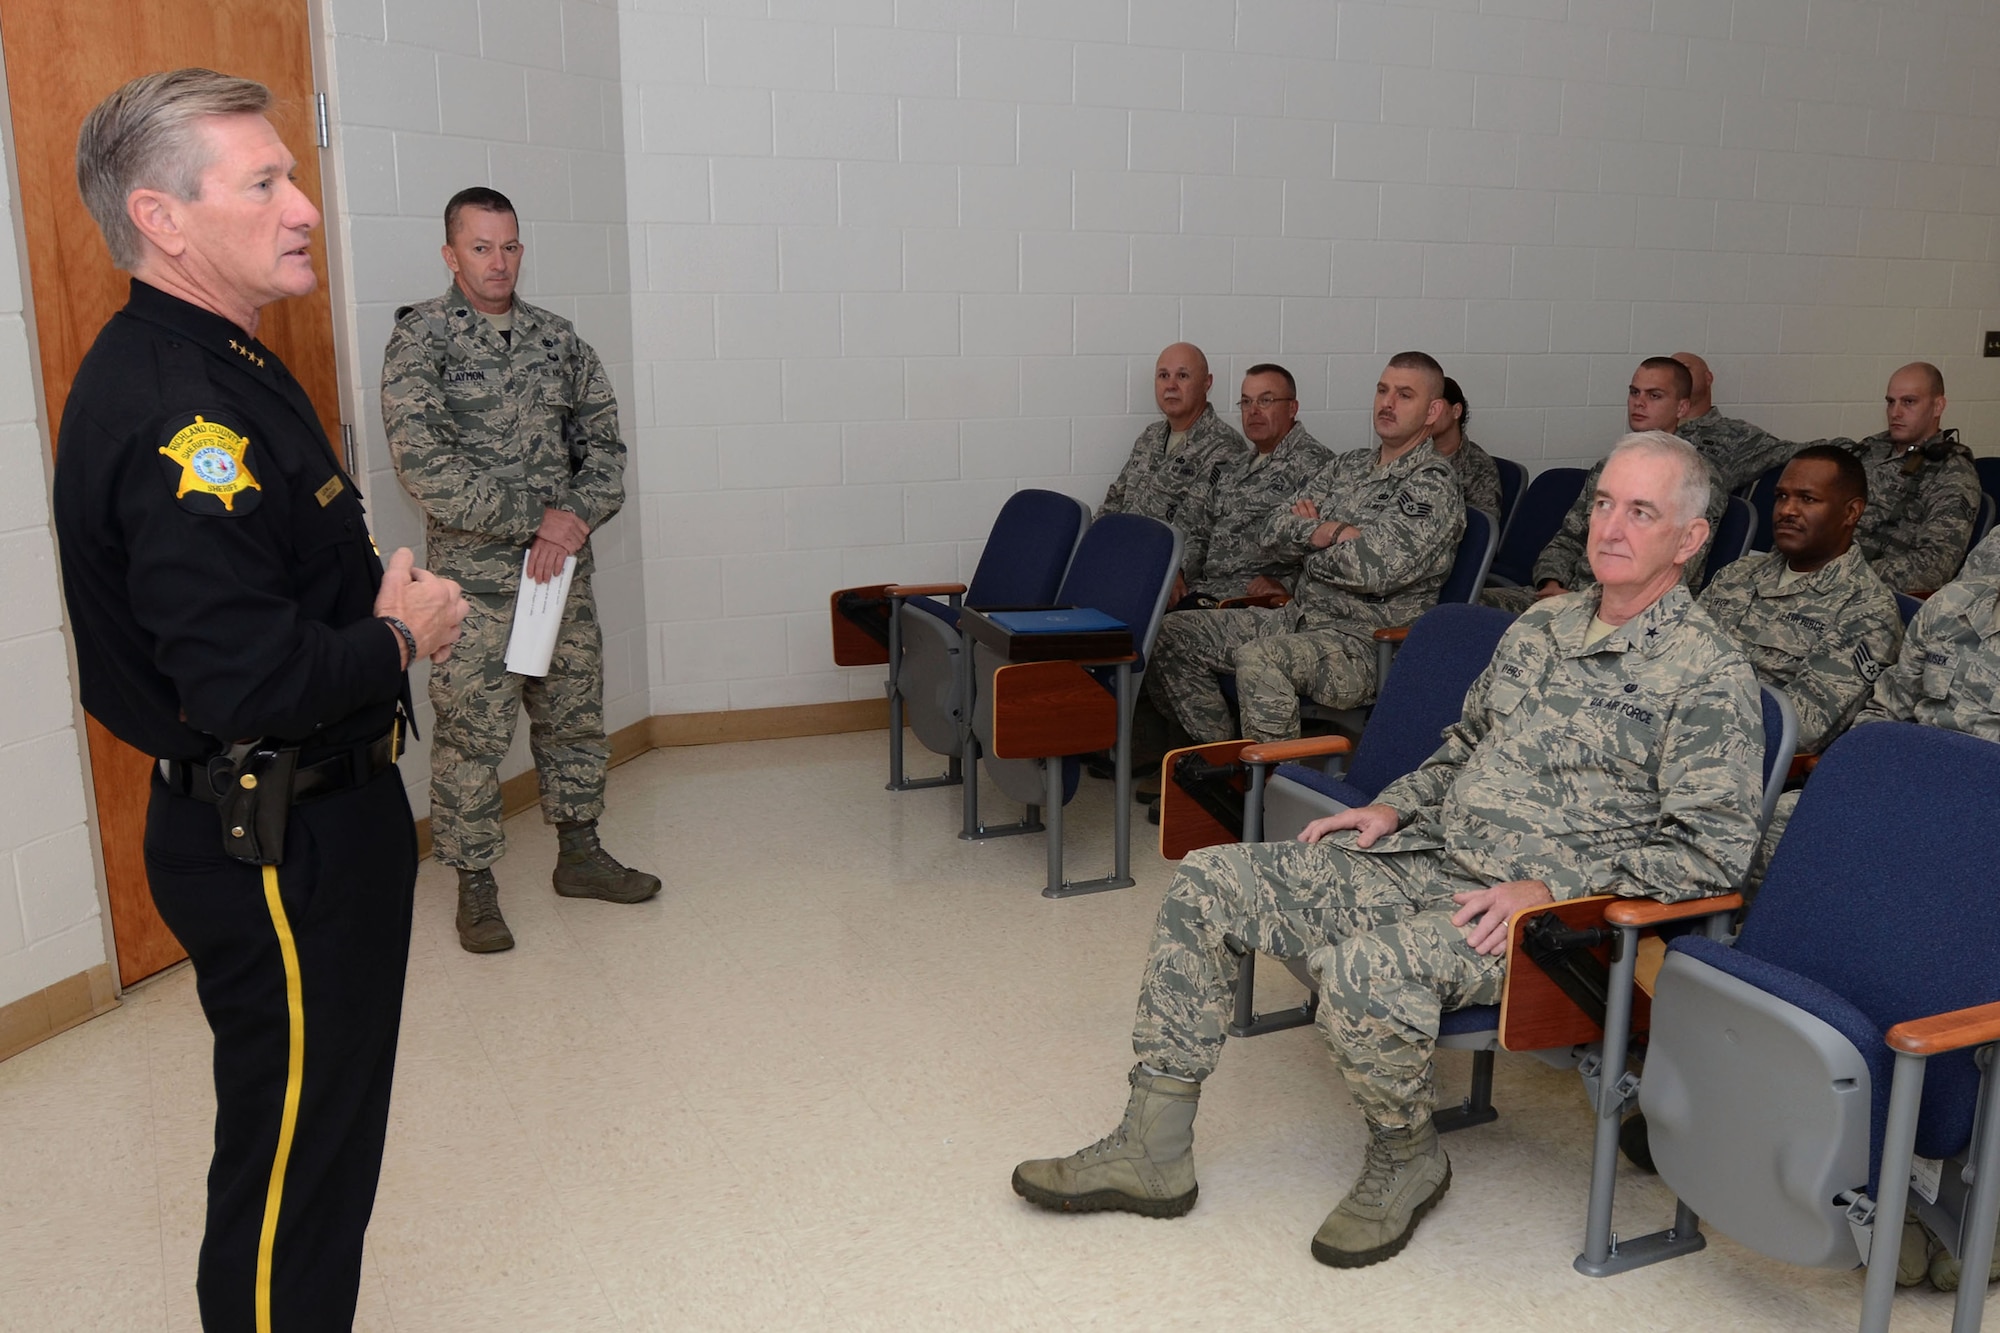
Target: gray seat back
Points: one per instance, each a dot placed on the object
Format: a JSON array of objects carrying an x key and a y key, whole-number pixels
[
  {"x": 1026, "y": 556},
  {"x": 1125, "y": 567},
  {"x": 933, "y": 690},
  {"x": 1758, "y": 1112}
]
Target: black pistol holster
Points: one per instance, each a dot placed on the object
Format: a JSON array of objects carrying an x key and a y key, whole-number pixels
[{"x": 253, "y": 783}]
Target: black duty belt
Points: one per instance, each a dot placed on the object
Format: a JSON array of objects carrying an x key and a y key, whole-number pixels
[{"x": 328, "y": 772}]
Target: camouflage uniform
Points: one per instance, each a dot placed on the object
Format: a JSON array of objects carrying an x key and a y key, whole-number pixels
[
  {"x": 1222, "y": 553},
  {"x": 1630, "y": 768},
  {"x": 486, "y": 433},
  {"x": 1738, "y": 451},
  {"x": 1949, "y": 673},
  {"x": 1322, "y": 645},
  {"x": 1158, "y": 484},
  {"x": 1983, "y": 559},
  {"x": 1566, "y": 558},
  {"x": 1823, "y": 641},
  {"x": 1478, "y": 478},
  {"x": 1917, "y": 523}
]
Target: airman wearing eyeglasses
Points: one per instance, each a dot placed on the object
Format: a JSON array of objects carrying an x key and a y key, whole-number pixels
[{"x": 1223, "y": 554}]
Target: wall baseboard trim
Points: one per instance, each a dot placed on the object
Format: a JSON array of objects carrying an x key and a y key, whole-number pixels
[
  {"x": 58, "y": 1008},
  {"x": 665, "y": 731},
  {"x": 768, "y": 724}
]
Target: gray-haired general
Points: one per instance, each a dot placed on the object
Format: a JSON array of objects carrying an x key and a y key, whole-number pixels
[{"x": 1600, "y": 710}]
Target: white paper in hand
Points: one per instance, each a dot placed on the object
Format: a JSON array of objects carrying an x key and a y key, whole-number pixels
[{"x": 538, "y": 614}]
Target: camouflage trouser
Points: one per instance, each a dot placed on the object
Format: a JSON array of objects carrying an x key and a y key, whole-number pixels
[
  {"x": 1273, "y": 668},
  {"x": 1374, "y": 929},
  {"x": 478, "y": 700},
  {"x": 1516, "y": 600}
]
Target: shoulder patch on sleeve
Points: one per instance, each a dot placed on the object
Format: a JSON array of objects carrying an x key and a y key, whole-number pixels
[
  {"x": 206, "y": 459},
  {"x": 1865, "y": 663},
  {"x": 1412, "y": 506}
]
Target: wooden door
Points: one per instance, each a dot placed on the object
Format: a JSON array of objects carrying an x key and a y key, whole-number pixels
[{"x": 63, "y": 57}]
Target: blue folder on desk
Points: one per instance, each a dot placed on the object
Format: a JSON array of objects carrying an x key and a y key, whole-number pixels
[{"x": 1077, "y": 620}]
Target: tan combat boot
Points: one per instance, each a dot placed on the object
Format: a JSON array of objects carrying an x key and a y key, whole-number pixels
[
  {"x": 1145, "y": 1166},
  {"x": 481, "y": 929},
  {"x": 585, "y": 870},
  {"x": 1913, "y": 1256},
  {"x": 1946, "y": 1271},
  {"x": 1403, "y": 1176}
]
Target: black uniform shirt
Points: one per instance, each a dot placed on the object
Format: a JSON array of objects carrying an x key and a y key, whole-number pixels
[{"x": 216, "y": 559}]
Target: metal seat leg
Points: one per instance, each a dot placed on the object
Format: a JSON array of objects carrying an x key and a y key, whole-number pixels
[
  {"x": 954, "y": 765},
  {"x": 1477, "y": 1108},
  {"x": 1616, "y": 1091},
  {"x": 1121, "y": 818},
  {"x": 1246, "y": 1022}
]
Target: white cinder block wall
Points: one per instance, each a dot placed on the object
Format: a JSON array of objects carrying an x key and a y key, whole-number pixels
[
  {"x": 50, "y": 928},
  {"x": 893, "y": 259},
  {"x": 861, "y": 268},
  {"x": 521, "y": 95}
]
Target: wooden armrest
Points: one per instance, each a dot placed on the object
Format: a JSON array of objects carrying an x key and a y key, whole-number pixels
[
  {"x": 1185, "y": 824},
  {"x": 1535, "y": 1014},
  {"x": 1045, "y": 709},
  {"x": 924, "y": 589},
  {"x": 1270, "y": 599},
  {"x": 1921, "y": 594},
  {"x": 1947, "y": 1032},
  {"x": 1393, "y": 634},
  {"x": 1802, "y": 764},
  {"x": 1644, "y": 912},
  {"x": 1285, "y": 752},
  {"x": 852, "y": 645},
  {"x": 1105, "y": 661}
]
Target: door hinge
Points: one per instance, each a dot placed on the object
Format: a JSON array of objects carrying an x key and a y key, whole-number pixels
[
  {"x": 325, "y": 127},
  {"x": 347, "y": 447}
]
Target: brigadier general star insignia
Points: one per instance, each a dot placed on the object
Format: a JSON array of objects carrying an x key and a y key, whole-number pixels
[{"x": 212, "y": 467}]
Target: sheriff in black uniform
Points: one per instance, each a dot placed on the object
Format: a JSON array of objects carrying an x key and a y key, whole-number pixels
[{"x": 223, "y": 589}]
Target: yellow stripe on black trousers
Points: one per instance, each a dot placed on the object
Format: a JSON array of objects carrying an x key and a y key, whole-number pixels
[
  {"x": 302, "y": 1096},
  {"x": 295, "y": 1077}
]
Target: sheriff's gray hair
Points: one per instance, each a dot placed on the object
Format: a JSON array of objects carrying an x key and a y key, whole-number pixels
[
  {"x": 1695, "y": 487},
  {"x": 148, "y": 136}
]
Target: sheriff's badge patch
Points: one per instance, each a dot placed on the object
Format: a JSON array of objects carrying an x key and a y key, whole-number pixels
[{"x": 213, "y": 476}]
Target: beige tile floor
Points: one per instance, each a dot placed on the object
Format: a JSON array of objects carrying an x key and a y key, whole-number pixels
[{"x": 787, "y": 1095}]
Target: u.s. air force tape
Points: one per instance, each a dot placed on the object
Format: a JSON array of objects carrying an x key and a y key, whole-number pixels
[{"x": 206, "y": 456}]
